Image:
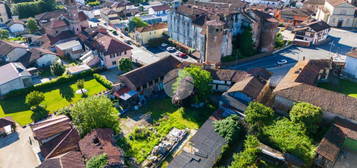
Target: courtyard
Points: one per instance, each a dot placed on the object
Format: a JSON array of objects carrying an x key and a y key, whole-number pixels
[
  {"x": 143, "y": 129},
  {"x": 56, "y": 97}
]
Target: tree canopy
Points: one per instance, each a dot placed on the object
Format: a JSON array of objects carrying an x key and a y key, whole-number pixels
[
  {"x": 32, "y": 8},
  {"x": 125, "y": 64},
  {"x": 288, "y": 136},
  {"x": 201, "y": 79},
  {"x": 94, "y": 112},
  {"x": 136, "y": 22},
  {"x": 4, "y": 34},
  {"x": 279, "y": 41},
  {"x": 249, "y": 156},
  {"x": 228, "y": 128},
  {"x": 99, "y": 161},
  {"x": 307, "y": 114},
  {"x": 34, "y": 98},
  {"x": 31, "y": 25},
  {"x": 258, "y": 115},
  {"x": 57, "y": 69}
]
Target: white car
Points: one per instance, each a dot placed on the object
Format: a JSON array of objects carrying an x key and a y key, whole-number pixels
[
  {"x": 171, "y": 49},
  {"x": 282, "y": 62},
  {"x": 164, "y": 45}
]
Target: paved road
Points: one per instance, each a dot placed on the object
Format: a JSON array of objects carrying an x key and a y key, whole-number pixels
[
  {"x": 16, "y": 152},
  {"x": 342, "y": 41}
]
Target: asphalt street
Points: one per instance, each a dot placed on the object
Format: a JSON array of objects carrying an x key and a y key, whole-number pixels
[{"x": 341, "y": 41}]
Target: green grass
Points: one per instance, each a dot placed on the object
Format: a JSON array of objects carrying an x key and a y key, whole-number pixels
[
  {"x": 55, "y": 98},
  {"x": 166, "y": 116},
  {"x": 345, "y": 86}
]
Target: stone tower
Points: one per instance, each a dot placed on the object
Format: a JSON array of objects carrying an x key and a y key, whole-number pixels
[
  {"x": 214, "y": 39},
  {"x": 73, "y": 18}
]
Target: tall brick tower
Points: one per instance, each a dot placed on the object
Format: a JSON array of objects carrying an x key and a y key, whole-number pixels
[
  {"x": 214, "y": 39},
  {"x": 73, "y": 18}
]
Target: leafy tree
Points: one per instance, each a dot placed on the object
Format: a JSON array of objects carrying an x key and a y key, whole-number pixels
[
  {"x": 94, "y": 112},
  {"x": 125, "y": 64},
  {"x": 246, "y": 43},
  {"x": 30, "y": 9},
  {"x": 31, "y": 24},
  {"x": 80, "y": 85},
  {"x": 279, "y": 41},
  {"x": 288, "y": 136},
  {"x": 247, "y": 158},
  {"x": 4, "y": 34},
  {"x": 136, "y": 22},
  {"x": 201, "y": 79},
  {"x": 307, "y": 114},
  {"x": 99, "y": 161},
  {"x": 57, "y": 69},
  {"x": 34, "y": 98},
  {"x": 228, "y": 127},
  {"x": 258, "y": 115}
]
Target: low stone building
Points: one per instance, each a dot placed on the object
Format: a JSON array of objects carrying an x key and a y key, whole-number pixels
[
  {"x": 72, "y": 49},
  {"x": 299, "y": 85},
  {"x": 144, "y": 34},
  {"x": 53, "y": 137},
  {"x": 154, "y": 75}
]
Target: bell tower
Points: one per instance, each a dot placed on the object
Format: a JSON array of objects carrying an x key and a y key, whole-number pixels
[{"x": 73, "y": 18}]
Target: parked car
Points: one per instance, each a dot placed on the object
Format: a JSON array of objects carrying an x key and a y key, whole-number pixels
[
  {"x": 171, "y": 49},
  {"x": 181, "y": 54},
  {"x": 282, "y": 62},
  {"x": 127, "y": 42}
]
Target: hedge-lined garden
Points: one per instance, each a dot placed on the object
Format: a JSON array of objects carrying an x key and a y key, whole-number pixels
[{"x": 59, "y": 93}]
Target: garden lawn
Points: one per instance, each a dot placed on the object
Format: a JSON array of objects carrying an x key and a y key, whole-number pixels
[
  {"x": 55, "y": 98},
  {"x": 345, "y": 86},
  {"x": 166, "y": 116}
]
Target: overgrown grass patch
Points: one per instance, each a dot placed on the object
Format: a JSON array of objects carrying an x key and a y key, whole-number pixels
[
  {"x": 344, "y": 86},
  {"x": 56, "y": 97},
  {"x": 166, "y": 116}
]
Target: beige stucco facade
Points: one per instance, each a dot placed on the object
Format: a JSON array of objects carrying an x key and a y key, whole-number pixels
[
  {"x": 144, "y": 37},
  {"x": 111, "y": 61},
  {"x": 337, "y": 16}
]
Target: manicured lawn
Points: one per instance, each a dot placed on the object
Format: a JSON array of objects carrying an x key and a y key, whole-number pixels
[
  {"x": 166, "y": 116},
  {"x": 345, "y": 86},
  {"x": 55, "y": 98}
]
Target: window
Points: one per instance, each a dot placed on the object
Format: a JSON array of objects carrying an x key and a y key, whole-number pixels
[{"x": 114, "y": 62}]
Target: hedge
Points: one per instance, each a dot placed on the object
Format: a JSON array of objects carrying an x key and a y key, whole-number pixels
[
  {"x": 60, "y": 80},
  {"x": 102, "y": 80}
]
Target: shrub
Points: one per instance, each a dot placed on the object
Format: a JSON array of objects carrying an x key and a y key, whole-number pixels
[
  {"x": 57, "y": 81},
  {"x": 249, "y": 156},
  {"x": 94, "y": 112},
  {"x": 140, "y": 133},
  {"x": 125, "y": 64},
  {"x": 258, "y": 115},
  {"x": 290, "y": 137},
  {"x": 307, "y": 114},
  {"x": 102, "y": 80},
  {"x": 99, "y": 161},
  {"x": 57, "y": 69},
  {"x": 228, "y": 127},
  {"x": 34, "y": 98}
]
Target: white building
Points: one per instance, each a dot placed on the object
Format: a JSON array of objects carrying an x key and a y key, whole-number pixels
[
  {"x": 312, "y": 33},
  {"x": 14, "y": 76},
  {"x": 351, "y": 63}
]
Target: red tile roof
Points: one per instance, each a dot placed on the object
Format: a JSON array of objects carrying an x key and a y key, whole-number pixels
[
  {"x": 100, "y": 141},
  {"x": 109, "y": 45},
  {"x": 71, "y": 159},
  {"x": 161, "y": 7},
  {"x": 153, "y": 27},
  {"x": 50, "y": 127}
]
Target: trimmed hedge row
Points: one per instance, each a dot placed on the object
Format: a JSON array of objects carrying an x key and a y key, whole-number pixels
[
  {"x": 60, "y": 80},
  {"x": 102, "y": 80}
]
